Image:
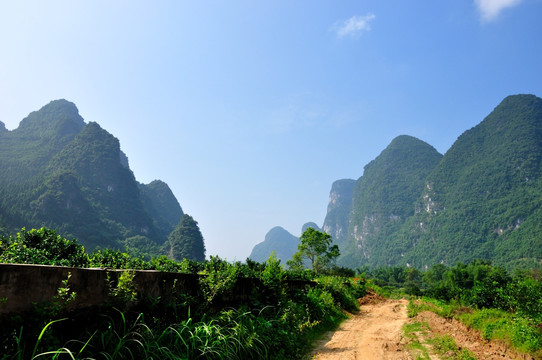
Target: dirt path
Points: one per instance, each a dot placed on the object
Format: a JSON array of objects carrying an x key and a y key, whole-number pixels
[{"x": 374, "y": 333}]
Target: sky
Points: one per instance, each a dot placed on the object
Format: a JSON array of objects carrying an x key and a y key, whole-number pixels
[{"x": 250, "y": 110}]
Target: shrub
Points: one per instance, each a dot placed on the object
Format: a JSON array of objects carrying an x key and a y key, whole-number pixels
[
  {"x": 42, "y": 246},
  {"x": 344, "y": 291}
]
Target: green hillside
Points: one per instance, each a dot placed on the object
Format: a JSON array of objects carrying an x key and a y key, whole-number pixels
[
  {"x": 384, "y": 198},
  {"x": 61, "y": 173},
  {"x": 159, "y": 201},
  {"x": 483, "y": 199}
]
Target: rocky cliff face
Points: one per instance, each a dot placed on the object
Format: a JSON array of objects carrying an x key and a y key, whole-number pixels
[{"x": 338, "y": 210}]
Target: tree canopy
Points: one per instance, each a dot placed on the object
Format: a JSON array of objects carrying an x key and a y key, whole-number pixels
[{"x": 316, "y": 247}]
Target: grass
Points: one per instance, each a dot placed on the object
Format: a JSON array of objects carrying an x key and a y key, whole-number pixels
[
  {"x": 212, "y": 339},
  {"x": 521, "y": 333},
  {"x": 446, "y": 347},
  {"x": 415, "y": 333},
  {"x": 517, "y": 332},
  {"x": 421, "y": 344},
  {"x": 229, "y": 334}
]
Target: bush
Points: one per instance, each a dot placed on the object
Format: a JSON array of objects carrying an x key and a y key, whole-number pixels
[
  {"x": 525, "y": 297},
  {"x": 42, "y": 246},
  {"x": 344, "y": 291}
]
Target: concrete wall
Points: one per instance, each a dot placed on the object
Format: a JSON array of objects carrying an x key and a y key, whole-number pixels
[{"x": 23, "y": 286}]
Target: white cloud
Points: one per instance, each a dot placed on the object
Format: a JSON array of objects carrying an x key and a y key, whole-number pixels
[
  {"x": 354, "y": 26},
  {"x": 490, "y": 9}
]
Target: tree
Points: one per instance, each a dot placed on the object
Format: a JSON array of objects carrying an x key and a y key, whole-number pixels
[
  {"x": 316, "y": 247},
  {"x": 186, "y": 241}
]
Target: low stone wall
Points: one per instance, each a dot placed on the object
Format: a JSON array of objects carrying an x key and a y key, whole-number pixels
[{"x": 24, "y": 286}]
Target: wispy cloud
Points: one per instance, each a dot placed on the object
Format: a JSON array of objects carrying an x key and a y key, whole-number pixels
[
  {"x": 490, "y": 9},
  {"x": 354, "y": 26},
  {"x": 296, "y": 112}
]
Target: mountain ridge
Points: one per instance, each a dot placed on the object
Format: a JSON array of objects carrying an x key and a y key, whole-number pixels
[
  {"x": 413, "y": 206},
  {"x": 63, "y": 173}
]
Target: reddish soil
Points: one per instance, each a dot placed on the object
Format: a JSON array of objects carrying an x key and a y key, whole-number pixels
[
  {"x": 376, "y": 333},
  {"x": 468, "y": 338}
]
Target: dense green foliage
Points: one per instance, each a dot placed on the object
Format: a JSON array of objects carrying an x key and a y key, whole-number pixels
[
  {"x": 478, "y": 284},
  {"x": 186, "y": 241},
  {"x": 58, "y": 172},
  {"x": 484, "y": 297},
  {"x": 276, "y": 321},
  {"x": 42, "y": 246}
]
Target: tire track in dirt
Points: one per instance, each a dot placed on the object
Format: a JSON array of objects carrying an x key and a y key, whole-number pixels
[{"x": 374, "y": 333}]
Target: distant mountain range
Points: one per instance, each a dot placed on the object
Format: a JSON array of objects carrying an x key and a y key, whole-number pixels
[
  {"x": 413, "y": 206},
  {"x": 59, "y": 172}
]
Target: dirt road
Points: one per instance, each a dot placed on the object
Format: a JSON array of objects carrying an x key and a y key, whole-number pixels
[{"x": 374, "y": 333}]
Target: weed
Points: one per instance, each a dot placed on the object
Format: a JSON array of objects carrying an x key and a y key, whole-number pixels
[
  {"x": 415, "y": 333},
  {"x": 445, "y": 346}
]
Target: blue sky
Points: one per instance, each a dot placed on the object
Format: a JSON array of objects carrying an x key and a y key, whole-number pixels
[{"x": 250, "y": 110}]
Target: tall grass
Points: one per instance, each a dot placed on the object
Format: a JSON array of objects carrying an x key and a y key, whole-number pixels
[{"x": 232, "y": 335}]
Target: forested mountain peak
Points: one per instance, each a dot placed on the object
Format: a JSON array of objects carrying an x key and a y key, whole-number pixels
[
  {"x": 61, "y": 173},
  {"x": 3, "y": 127},
  {"x": 384, "y": 198},
  {"x": 310, "y": 224},
  {"x": 505, "y": 148},
  {"x": 26, "y": 151},
  {"x": 483, "y": 195},
  {"x": 58, "y": 118},
  {"x": 404, "y": 151},
  {"x": 159, "y": 200},
  {"x": 399, "y": 170}
]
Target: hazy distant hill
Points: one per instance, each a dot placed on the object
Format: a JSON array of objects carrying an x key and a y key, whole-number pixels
[
  {"x": 59, "y": 172},
  {"x": 482, "y": 199},
  {"x": 278, "y": 240},
  {"x": 281, "y": 242}
]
